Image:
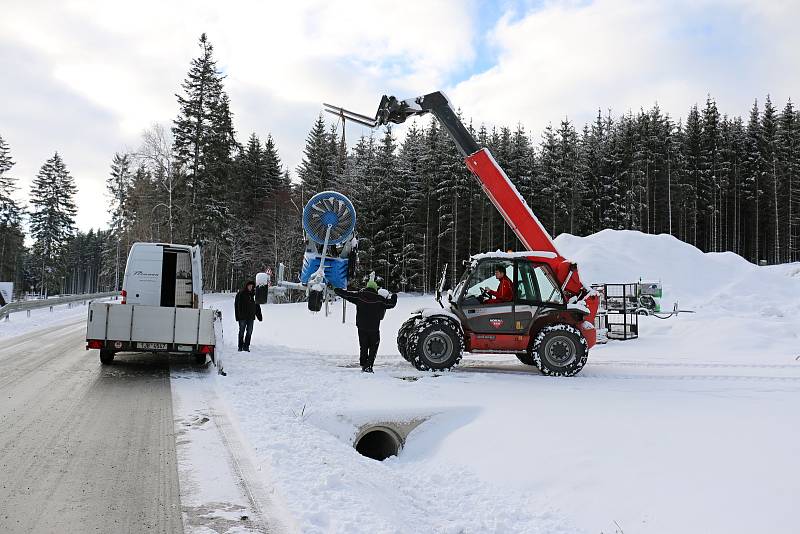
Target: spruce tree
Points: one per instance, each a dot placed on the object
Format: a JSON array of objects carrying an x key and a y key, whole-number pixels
[
  {"x": 752, "y": 185},
  {"x": 118, "y": 184},
  {"x": 52, "y": 218},
  {"x": 789, "y": 147},
  {"x": 11, "y": 235},
  {"x": 769, "y": 153},
  {"x": 317, "y": 169},
  {"x": 203, "y": 138}
]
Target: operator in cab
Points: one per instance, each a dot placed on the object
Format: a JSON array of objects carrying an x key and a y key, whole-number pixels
[{"x": 504, "y": 293}]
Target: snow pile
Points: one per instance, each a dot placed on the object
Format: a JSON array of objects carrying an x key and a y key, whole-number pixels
[{"x": 696, "y": 280}]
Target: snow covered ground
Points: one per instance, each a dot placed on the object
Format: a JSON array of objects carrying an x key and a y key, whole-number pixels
[
  {"x": 19, "y": 323},
  {"x": 691, "y": 428}
]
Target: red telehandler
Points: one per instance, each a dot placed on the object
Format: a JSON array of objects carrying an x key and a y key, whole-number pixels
[{"x": 549, "y": 321}]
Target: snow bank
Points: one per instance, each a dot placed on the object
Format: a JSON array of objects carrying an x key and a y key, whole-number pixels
[
  {"x": 19, "y": 323},
  {"x": 696, "y": 280}
]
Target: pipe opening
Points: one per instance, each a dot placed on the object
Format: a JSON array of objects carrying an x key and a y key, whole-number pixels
[{"x": 378, "y": 443}]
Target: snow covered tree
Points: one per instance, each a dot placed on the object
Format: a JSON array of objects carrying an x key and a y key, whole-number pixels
[
  {"x": 203, "y": 141},
  {"x": 11, "y": 236},
  {"x": 118, "y": 184},
  {"x": 770, "y": 180},
  {"x": 789, "y": 157},
  {"x": 52, "y": 218},
  {"x": 317, "y": 170}
]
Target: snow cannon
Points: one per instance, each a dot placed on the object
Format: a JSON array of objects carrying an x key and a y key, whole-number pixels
[{"x": 329, "y": 221}]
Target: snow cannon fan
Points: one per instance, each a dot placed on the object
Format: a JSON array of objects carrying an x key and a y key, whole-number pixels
[{"x": 329, "y": 220}]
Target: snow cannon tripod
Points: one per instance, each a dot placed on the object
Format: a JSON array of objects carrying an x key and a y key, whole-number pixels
[
  {"x": 329, "y": 222},
  {"x": 543, "y": 313}
]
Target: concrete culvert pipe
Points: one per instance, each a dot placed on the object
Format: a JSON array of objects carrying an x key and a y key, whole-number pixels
[{"x": 378, "y": 443}]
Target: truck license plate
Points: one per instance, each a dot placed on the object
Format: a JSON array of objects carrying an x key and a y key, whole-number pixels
[{"x": 152, "y": 346}]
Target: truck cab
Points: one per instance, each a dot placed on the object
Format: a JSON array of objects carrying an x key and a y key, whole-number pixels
[{"x": 505, "y": 326}]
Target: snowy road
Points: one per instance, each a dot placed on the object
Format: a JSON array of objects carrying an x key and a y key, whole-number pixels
[
  {"x": 84, "y": 448},
  {"x": 120, "y": 448}
]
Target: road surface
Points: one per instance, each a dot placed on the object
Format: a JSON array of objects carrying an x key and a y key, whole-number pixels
[{"x": 84, "y": 448}]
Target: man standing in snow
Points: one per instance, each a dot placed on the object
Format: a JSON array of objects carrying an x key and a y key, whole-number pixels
[
  {"x": 371, "y": 306},
  {"x": 246, "y": 311}
]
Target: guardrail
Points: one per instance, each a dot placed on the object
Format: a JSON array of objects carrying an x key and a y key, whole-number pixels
[{"x": 28, "y": 305}]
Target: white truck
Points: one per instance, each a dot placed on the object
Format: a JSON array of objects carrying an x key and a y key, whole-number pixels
[{"x": 161, "y": 308}]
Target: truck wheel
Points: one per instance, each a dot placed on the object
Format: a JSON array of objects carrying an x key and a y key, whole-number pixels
[
  {"x": 559, "y": 350},
  {"x": 402, "y": 337},
  {"x": 435, "y": 344},
  {"x": 106, "y": 356},
  {"x": 199, "y": 358},
  {"x": 315, "y": 300},
  {"x": 526, "y": 358}
]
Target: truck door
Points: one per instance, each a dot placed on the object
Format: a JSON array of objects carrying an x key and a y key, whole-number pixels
[
  {"x": 176, "y": 278},
  {"x": 488, "y": 318},
  {"x": 142, "y": 281},
  {"x": 536, "y": 293},
  {"x": 525, "y": 297}
]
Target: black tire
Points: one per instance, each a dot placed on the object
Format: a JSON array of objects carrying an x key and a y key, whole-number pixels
[
  {"x": 559, "y": 350},
  {"x": 199, "y": 358},
  {"x": 402, "y": 337},
  {"x": 106, "y": 356},
  {"x": 435, "y": 344},
  {"x": 526, "y": 358},
  {"x": 315, "y": 300}
]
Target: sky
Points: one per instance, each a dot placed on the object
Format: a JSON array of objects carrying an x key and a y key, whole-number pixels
[{"x": 85, "y": 78}]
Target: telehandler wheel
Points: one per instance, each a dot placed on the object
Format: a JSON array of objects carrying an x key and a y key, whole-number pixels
[
  {"x": 435, "y": 344},
  {"x": 402, "y": 337},
  {"x": 526, "y": 358},
  {"x": 106, "y": 356},
  {"x": 559, "y": 350}
]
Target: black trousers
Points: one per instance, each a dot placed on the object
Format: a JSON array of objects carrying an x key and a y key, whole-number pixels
[
  {"x": 245, "y": 333},
  {"x": 368, "y": 341}
]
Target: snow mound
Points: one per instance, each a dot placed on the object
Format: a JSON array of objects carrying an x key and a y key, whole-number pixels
[{"x": 695, "y": 279}]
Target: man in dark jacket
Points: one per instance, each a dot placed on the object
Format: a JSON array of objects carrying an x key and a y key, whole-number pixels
[
  {"x": 370, "y": 309},
  {"x": 246, "y": 311}
]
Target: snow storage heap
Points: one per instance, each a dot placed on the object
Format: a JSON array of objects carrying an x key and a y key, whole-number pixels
[{"x": 697, "y": 280}]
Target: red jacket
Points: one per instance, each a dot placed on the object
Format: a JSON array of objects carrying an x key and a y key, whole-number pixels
[{"x": 504, "y": 293}]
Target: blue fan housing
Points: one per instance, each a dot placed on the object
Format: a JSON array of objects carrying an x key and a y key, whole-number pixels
[{"x": 333, "y": 209}]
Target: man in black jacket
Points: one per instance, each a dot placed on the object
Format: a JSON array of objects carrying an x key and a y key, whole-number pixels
[
  {"x": 370, "y": 309},
  {"x": 246, "y": 311}
]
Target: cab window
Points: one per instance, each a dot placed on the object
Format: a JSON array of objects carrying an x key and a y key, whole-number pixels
[
  {"x": 483, "y": 276},
  {"x": 535, "y": 285},
  {"x": 548, "y": 288},
  {"x": 526, "y": 283}
]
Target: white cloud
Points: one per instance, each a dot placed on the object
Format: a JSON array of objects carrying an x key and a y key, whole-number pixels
[
  {"x": 85, "y": 77},
  {"x": 569, "y": 59},
  {"x": 126, "y": 61}
]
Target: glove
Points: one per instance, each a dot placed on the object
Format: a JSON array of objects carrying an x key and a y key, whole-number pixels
[{"x": 384, "y": 293}]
